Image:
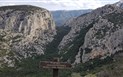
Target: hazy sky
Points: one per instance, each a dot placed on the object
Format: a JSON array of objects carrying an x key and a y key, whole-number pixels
[{"x": 60, "y": 4}]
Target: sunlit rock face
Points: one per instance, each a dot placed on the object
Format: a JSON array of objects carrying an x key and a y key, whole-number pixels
[
  {"x": 25, "y": 31},
  {"x": 94, "y": 35}
]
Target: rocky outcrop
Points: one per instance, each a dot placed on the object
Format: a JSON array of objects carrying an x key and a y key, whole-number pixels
[
  {"x": 95, "y": 35},
  {"x": 28, "y": 29},
  {"x": 102, "y": 40}
]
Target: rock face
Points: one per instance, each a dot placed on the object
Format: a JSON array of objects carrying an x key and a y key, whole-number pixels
[
  {"x": 24, "y": 32},
  {"x": 94, "y": 35}
]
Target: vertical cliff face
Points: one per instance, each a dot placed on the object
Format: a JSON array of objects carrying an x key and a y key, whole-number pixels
[
  {"x": 25, "y": 31},
  {"x": 94, "y": 35}
]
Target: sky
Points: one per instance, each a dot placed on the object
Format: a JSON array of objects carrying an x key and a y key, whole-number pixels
[{"x": 60, "y": 4}]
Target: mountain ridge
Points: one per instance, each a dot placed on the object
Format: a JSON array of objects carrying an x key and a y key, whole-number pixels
[
  {"x": 62, "y": 16},
  {"x": 84, "y": 21}
]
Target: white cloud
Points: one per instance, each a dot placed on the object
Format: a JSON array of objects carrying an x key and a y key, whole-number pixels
[{"x": 61, "y": 4}]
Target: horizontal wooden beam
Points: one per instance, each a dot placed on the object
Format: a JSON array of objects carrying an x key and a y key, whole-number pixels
[{"x": 55, "y": 65}]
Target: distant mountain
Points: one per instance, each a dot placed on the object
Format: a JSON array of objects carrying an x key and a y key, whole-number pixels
[{"x": 61, "y": 16}]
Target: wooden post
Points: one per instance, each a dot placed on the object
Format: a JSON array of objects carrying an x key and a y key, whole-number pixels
[
  {"x": 55, "y": 65},
  {"x": 55, "y": 72}
]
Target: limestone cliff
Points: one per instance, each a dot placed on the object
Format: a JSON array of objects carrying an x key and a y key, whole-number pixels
[
  {"x": 24, "y": 32},
  {"x": 96, "y": 34}
]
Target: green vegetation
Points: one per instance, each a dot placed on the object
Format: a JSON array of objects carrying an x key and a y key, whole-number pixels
[
  {"x": 109, "y": 67},
  {"x": 76, "y": 43},
  {"x": 75, "y": 75},
  {"x": 100, "y": 34},
  {"x": 52, "y": 48},
  {"x": 87, "y": 50},
  {"x": 115, "y": 18},
  {"x": 26, "y": 68},
  {"x": 30, "y": 67},
  {"x": 2, "y": 34},
  {"x": 90, "y": 66},
  {"x": 91, "y": 75}
]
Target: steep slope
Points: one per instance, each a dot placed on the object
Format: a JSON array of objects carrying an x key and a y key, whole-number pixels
[
  {"x": 60, "y": 17},
  {"x": 24, "y": 32},
  {"x": 94, "y": 35},
  {"x": 114, "y": 69}
]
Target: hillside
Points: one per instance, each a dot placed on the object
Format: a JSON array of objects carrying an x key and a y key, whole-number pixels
[
  {"x": 98, "y": 33},
  {"x": 61, "y": 17},
  {"x": 92, "y": 43}
]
